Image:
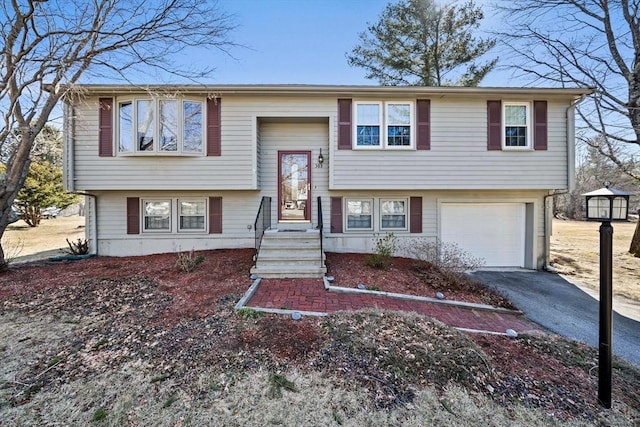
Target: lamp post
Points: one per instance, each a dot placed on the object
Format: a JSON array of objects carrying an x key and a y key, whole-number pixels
[{"x": 606, "y": 205}]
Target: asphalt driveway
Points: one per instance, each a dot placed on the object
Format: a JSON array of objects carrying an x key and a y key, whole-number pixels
[{"x": 563, "y": 308}]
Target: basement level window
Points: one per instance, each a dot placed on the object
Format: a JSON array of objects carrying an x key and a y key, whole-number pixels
[{"x": 359, "y": 214}]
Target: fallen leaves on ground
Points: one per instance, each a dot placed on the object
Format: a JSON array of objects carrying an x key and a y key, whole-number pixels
[{"x": 143, "y": 312}]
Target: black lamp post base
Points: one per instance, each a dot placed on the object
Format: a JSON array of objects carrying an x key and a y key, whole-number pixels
[{"x": 604, "y": 348}]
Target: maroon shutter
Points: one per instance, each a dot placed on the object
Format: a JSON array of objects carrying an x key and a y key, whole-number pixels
[
  {"x": 423, "y": 140},
  {"x": 494, "y": 125},
  {"x": 540, "y": 125},
  {"x": 215, "y": 215},
  {"x": 214, "y": 132},
  {"x": 336, "y": 214},
  {"x": 415, "y": 215},
  {"x": 133, "y": 215},
  {"x": 344, "y": 124},
  {"x": 105, "y": 127}
]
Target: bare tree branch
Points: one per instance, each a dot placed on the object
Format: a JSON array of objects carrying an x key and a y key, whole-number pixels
[
  {"x": 594, "y": 43},
  {"x": 58, "y": 42}
]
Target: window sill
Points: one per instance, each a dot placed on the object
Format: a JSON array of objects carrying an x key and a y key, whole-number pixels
[
  {"x": 378, "y": 148},
  {"x": 154, "y": 154},
  {"x": 518, "y": 149}
]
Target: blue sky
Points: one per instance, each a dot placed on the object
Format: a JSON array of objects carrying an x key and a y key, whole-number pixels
[{"x": 300, "y": 42}]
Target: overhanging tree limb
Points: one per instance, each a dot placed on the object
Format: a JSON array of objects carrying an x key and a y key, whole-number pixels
[
  {"x": 593, "y": 43},
  {"x": 61, "y": 41}
]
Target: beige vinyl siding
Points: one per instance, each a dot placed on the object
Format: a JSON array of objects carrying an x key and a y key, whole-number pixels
[
  {"x": 364, "y": 241},
  {"x": 458, "y": 158},
  {"x": 236, "y": 169},
  {"x": 238, "y": 213},
  {"x": 281, "y": 135}
]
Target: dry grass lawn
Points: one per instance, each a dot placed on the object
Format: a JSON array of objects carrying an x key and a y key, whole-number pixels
[
  {"x": 136, "y": 341},
  {"x": 575, "y": 252},
  {"x": 23, "y": 243}
]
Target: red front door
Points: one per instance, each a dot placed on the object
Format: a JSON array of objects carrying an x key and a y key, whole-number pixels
[{"x": 294, "y": 185}]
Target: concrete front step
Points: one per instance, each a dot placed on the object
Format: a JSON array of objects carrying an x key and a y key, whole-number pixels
[
  {"x": 290, "y": 254},
  {"x": 290, "y": 244},
  {"x": 289, "y": 272}
]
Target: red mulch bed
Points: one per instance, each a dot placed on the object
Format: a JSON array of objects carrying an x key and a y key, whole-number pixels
[
  {"x": 404, "y": 276},
  {"x": 539, "y": 372},
  {"x": 194, "y": 295}
]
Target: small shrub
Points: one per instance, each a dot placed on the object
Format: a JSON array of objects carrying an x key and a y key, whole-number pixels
[
  {"x": 249, "y": 313},
  {"x": 12, "y": 249},
  {"x": 79, "y": 247},
  {"x": 170, "y": 401},
  {"x": 189, "y": 262},
  {"x": 277, "y": 382},
  {"x": 385, "y": 249},
  {"x": 99, "y": 415},
  {"x": 159, "y": 378},
  {"x": 447, "y": 256}
]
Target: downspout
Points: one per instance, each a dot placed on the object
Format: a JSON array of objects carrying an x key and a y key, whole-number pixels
[
  {"x": 69, "y": 148},
  {"x": 571, "y": 143},
  {"x": 70, "y": 159},
  {"x": 94, "y": 215},
  {"x": 571, "y": 178}
]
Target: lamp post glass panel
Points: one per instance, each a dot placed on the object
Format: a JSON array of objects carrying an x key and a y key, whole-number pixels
[{"x": 606, "y": 205}]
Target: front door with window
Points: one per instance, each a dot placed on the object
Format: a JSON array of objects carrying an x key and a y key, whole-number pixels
[{"x": 294, "y": 186}]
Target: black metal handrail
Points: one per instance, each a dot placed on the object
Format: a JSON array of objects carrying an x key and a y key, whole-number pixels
[
  {"x": 263, "y": 222},
  {"x": 320, "y": 228}
]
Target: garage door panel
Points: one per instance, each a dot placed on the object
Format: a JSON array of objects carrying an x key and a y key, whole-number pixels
[{"x": 492, "y": 231}]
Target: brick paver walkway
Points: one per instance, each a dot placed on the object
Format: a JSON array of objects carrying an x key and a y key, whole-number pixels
[{"x": 310, "y": 295}]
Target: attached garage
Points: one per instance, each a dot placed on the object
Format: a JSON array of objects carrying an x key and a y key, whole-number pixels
[{"x": 495, "y": 232}]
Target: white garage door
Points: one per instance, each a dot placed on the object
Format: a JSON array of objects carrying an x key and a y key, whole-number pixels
[{"x": 493, "y": 231}]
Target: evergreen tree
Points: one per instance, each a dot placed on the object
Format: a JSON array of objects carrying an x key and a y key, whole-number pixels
[
  {"x": 417, "y": 42},
  {"x": 42, "y": 189}
]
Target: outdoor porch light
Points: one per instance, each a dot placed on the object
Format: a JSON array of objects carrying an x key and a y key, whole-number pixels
[
  {"x": 320, "y": 158},
  {"x": 606, "y": 205}
]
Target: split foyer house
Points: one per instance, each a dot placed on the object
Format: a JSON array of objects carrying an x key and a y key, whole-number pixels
[{"x": 181, "y": 167}]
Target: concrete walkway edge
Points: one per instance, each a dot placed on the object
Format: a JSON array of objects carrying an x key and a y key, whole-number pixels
[
  {"x": 454, "y": 303},
  {"x": 296, "y": 314}
]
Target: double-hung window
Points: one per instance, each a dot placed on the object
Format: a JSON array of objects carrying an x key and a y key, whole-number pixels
[
  {"x": 398, "y": 124},
  {"x": 369, "y": 119},
  {"x": 162, "y": 126},
  {"x": 359, "y": 214},
  {"x": 393, "y": 214},
  {"x": 381, "y": 125},
  {"x": 156, "y": 215},
  {"x": 191, "y": 215},
  {"x": 517, "y": 125}
]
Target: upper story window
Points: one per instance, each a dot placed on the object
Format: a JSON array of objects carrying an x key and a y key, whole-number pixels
[
  {"x": 170, "y": 126},
  {"x": 383, "y": 124},
  {"x": 517, "y": 125},
  {"x": 398, "y": 125}
]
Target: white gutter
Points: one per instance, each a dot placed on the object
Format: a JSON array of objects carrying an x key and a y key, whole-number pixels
[
  {"x": 68, "y": 169},
  {"x": 336, "y": 90},
  {"x": 571, "y": 142},
  {"x": 571, "y": 178}
]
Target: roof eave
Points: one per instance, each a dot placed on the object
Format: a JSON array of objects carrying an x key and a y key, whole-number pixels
[{"x": 339, "y": 90}]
